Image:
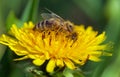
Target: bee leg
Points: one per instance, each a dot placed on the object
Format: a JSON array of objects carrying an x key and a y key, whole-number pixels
[{"x": 74, "y": 36}]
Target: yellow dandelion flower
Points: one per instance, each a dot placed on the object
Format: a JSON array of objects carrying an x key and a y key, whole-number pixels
[{"x": 57, "y": 49}]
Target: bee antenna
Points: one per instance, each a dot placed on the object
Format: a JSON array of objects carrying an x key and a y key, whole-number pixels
[
  {"x": 48, "y": 10},
  {"x": 53, "y": 13}
]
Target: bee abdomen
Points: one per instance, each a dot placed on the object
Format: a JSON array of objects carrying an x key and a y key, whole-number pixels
[
  {"x": 39, "y": 26},
  {"x": 48, "y": 23},
  {"x": 44, "y": 25}
]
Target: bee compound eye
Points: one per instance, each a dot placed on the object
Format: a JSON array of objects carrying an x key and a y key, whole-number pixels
[{"x": 70, "y": 26}]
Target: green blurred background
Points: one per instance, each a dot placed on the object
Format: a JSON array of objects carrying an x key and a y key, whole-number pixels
[{"x": 103, "y": 15}]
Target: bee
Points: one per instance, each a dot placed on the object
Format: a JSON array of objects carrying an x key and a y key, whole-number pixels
[{"x": 54, "y": 22}]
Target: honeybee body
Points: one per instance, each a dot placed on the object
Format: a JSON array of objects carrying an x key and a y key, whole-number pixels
[{"x": 53, "y": 22}]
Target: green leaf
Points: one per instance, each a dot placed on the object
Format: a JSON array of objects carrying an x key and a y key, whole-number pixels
[
  {"x": 68, "y": 73},
  {"x": 30, "y": 12},
  {"x": 12, "y": 19},
  {"x": 92, "y": 8},
  {"x": 26, "y": 14},
  {"x": 35, "y": 10},
  {"x": 73, "y": 73},
  {"x": 2, "y": 30}
]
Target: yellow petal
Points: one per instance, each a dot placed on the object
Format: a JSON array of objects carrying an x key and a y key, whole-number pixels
[
  {"x": 51, "y": 65},
  {"x": 94, "y": 58},
  {"x": 22, "y": 58},
  {"x": 77, "y": 61},
  {"x": 19, "y": 50},
  {"x": 60, "y": 62},
  {"x": 29, "y": 25},
  {"x": 99, "y": 39},
  {"x": 106, "y": 54},
  {"x": 38, "y": 62},
  {"x": 4, "y": 39},
  {"x": 69, "y": 64}
]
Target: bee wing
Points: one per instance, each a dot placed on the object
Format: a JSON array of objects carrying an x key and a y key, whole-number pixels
[
  {"x": 51, "y": 15},
  {"x": 46, "y": 16}
]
